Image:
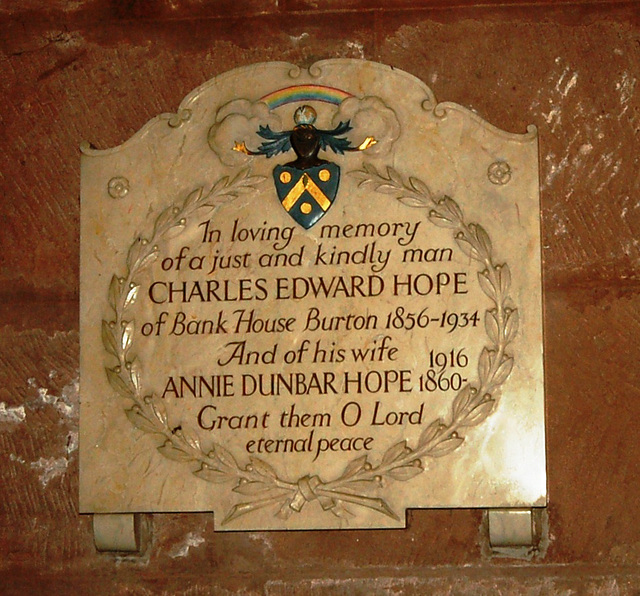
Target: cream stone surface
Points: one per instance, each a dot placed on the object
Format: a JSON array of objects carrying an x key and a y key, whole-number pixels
[{"x": 388, "y": 357}]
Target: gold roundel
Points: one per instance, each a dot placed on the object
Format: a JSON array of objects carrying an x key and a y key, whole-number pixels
[
  {"x": 285, "y": 177},
  {"x": 305, "y": 208},
  {"x": 324, "y": 175}
]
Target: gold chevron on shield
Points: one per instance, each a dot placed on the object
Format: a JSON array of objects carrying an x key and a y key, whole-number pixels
[{"x": 305, "y": 183}]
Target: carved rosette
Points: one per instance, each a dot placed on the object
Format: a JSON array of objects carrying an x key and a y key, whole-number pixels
[
  {"x": 118, "y": 187},
  {"x": 499, "y": 172}
]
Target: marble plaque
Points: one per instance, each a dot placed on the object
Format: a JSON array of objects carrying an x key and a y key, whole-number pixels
[{"x": 312, "y": 299}]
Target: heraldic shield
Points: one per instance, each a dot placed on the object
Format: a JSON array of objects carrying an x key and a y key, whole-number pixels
[{"x": 306, "y": 195}]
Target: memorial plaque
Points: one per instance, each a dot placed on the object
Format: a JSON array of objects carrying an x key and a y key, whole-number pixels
[{"x": 312, "y": 299}]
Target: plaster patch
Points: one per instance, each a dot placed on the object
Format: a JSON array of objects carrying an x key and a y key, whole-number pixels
[
  {"x": 296, "y": 39},
  {"x": 612, "y": 171},
  {"x": 625, "y": 87},
  {"x": 12, "y": 415},
  {"x": 562, "y": 111},
  {"x": 554, "y": 170},
  {"x": 182, "y": 550},
  {"x": 586, "y": 148},
  {"x": 553, "y": 114},
  {"x": 561, "y": 226},
  {"x": 72, "y": 442},
  {"x": 66, "y": 403},
  {"x": 358, "y": 47},
  {"x": 571, "y": 83},
  {"x": 50, "y": 468},
  {"x": 262, "y": 538}
]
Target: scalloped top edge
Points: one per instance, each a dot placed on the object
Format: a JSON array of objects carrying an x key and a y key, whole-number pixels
[{"x": 314, "y": 71}]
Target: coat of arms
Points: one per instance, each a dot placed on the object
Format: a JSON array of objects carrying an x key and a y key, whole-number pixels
[{"x": 308, "y": 185}]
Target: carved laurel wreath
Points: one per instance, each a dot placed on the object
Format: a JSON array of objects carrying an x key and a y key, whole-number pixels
[{"x": 257, "y": 480}]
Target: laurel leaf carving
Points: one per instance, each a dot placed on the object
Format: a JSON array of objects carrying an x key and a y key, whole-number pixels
[
  {"x": 134, "y": 375},
  {"x": 127, "y": 335},
  {"x": 503, "y": 371},
  {"x": 148, "y": 259},
  {"x": 250, "y": 181},
  {"x": 212, "y": 475},
  {"x": 132, "y": 295},
  {"x": 447, "y": 446},
  {"x": 135, "y": 252},
  {"x": 263, "y": 468},
  {"x": 387, "y": 189},
  {"x": 220, "y": 184},
  {"x": 192, "y": 198},
  {"x": 479, "y": 413},
  {"x": 225, "y": 457},
  {"x": 163, "y": 220},
  {"x": 116, "y": 381},
  {"x": 190, "y": 437},
  {"x": 410, "y": 201},
  {"x": 359, "y": 486},
  {"x": 159, "y": 411},
  {"x": 394, "y": 176},
  {"x": 244, "y": 508},
  {"x": 484, "y": 365},
  {"x": 467, "y": 248},
  {"x": 420, "y": 187},
  {"x": 462, "y": 401},
  {"x": 171, "y": 452},
  {"x": 505, "y": 278},
  {"x": 491, "y": 326},
  {"x": 114, "y": 292},
  {"x": 285, "y": 512},
  {"x": 430, "y": 433},
  {"x": 453, "y": 208},
  {"x": 394, "y": 452},
  {"x": 108, "y": 339},
  {"x": 487, "y": 285},
  {"x": 139, "y": 420},
  {"x": 342, "y": 512},
  {"x": 376, "y": 504},
  {"x": 440, "y": 220},
  {"x": 511, "y": 326},
  {"x": 483, "y": 240},
  {"x": 354, "y": 467},
  {"x": 175, "y": 230},
  {"x": 404, "y": 473},
  {"x": 253, "y": 488}
]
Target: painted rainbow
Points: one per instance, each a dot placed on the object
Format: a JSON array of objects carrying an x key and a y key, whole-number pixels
[{"x": 298, "y": 93}]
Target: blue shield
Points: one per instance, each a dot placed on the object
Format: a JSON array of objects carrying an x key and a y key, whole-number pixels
[{"x": 306, "y": 195}]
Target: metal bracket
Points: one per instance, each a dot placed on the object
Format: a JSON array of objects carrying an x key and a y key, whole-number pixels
[{"x": 118, "y": 532}]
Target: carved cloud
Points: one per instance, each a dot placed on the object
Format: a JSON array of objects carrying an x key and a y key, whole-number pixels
[
  {"x": 238, "y": 121},
  {"x": 370, "y": 116}
]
